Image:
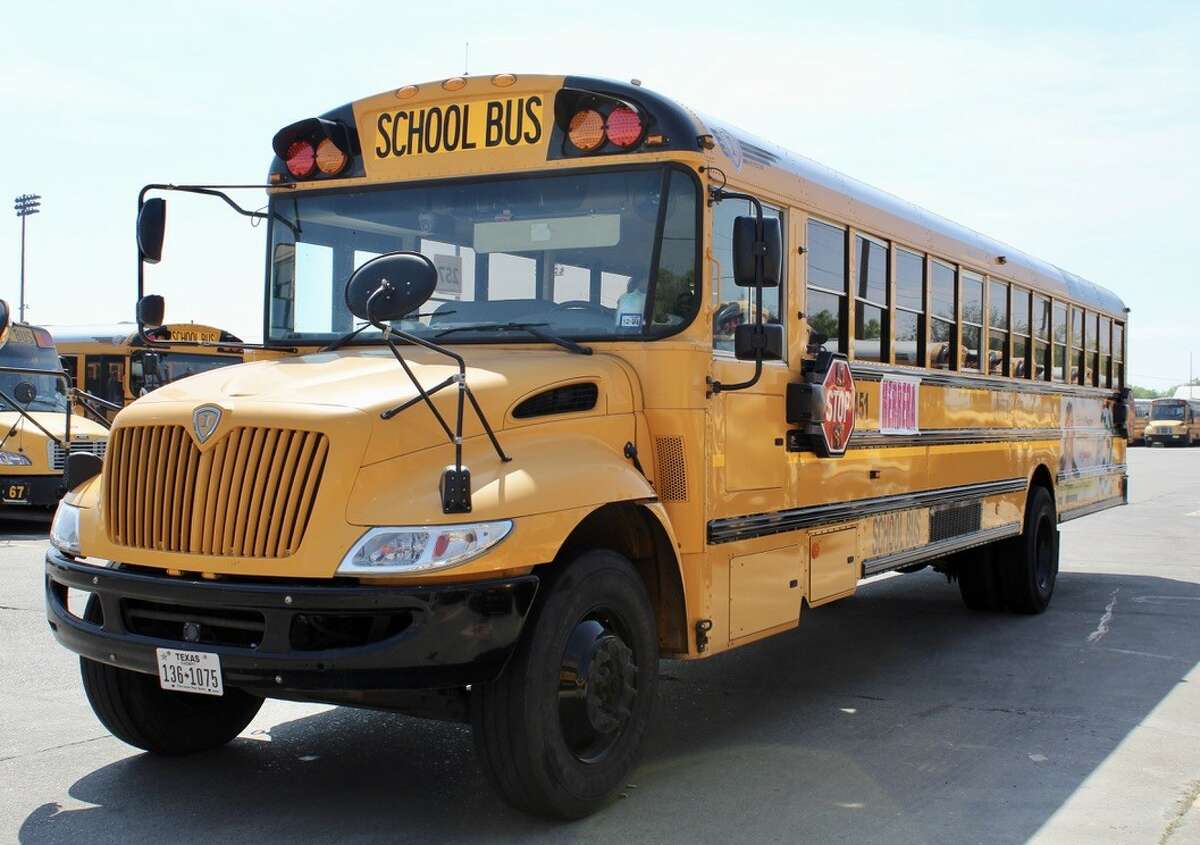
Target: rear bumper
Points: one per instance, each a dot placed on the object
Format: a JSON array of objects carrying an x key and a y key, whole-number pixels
[
  {"x": 286, "y": 639},
  {"x": 41, "y": 491}
]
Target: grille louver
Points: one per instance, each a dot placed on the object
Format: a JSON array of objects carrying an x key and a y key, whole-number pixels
[
  {"x": 250, "y": 495},
  {"x": 559, "y": 400}
]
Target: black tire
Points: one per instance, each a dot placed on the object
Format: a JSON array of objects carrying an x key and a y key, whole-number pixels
[
  {"x": 136, "y": 710},
  {"x": 560, "y": 729},
  {"x": 1029, "y": 563},
  {"x": 979, "y": 580}
]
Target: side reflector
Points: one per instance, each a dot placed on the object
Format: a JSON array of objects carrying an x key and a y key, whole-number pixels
[
  {"x": 624, "y": 126},
  {"x": 300, "y": 158},
  {"x": 586, "y": 130},
  {"x": 330, "y": 159}
]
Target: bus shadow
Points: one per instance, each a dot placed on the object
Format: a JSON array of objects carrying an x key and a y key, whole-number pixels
[{"x": 896, "y": 716}]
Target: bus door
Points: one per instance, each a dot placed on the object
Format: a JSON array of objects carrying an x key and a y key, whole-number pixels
[
  {"x": 747, "y": 450},
  {"x": 104, "y": 376},
  {"x": 70, "y": 365}
]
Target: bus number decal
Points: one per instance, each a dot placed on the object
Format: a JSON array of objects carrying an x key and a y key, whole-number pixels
[
  {"x": 899, "y": 402},
  {"x": 459, "y": 126}
]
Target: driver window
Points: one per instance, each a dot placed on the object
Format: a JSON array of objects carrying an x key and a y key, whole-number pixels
[{"x": 735, "y": 304}]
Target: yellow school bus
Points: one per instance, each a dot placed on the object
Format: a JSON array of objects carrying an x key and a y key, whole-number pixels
[
  {"x": 1173, "y": 422},
  {"x": 113, "y": 364},
  {"x": 38, "y": 433},
  {"x": 559, "y": 378},
  {"x": 1139, "y": 421}
]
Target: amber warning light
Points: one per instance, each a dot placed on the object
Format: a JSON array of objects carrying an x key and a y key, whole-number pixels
[
  {"x": 315, "y": 147},
  {"x": 595, "y": 123}
]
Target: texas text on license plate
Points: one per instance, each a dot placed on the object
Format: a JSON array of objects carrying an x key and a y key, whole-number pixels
[{"x": 190, "y": 671}]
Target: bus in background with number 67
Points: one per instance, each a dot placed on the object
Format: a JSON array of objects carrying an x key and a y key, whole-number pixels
[
  {"x": 558, "y": 378},
  {"x": 38, "y": 432}
]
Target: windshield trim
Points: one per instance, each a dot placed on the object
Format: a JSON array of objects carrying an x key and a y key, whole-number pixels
[{"x": 665, "y": 166}]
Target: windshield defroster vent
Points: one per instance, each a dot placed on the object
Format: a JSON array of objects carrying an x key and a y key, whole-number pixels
[{"x": 569, "y": 399}]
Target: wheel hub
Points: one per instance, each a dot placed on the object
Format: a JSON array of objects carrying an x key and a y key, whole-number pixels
[{"x": 597, "y": 688}]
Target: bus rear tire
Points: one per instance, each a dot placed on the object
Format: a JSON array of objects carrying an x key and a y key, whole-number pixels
[
  {"x": 1029, "y": 567},
  {"x": 560, "y": 729},
  {"x": 139, "y": 712},
  {"x": 978, "y": 579}
]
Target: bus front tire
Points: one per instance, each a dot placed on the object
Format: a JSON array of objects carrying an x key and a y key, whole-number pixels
[
  {"x": 137, "y": 711},
  {"x": 1029, "y": 562},
  {"x": 562, "y": 726}
]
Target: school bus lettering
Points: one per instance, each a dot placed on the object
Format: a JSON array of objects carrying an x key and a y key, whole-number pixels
[
  {"x": 457, "y": 127},
  {"x": 478, "y": 457}
]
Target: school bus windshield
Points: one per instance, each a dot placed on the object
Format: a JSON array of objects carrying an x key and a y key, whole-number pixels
[
  {"x": 1167, "y": 411},
  {"x": 601, "y": 255},
  {"x": 26, "y": 354}
]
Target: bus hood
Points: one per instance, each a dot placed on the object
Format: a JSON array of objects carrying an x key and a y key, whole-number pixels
[
  {"x": 370, "y": 381},
  {"x": 54, "y": 422}
]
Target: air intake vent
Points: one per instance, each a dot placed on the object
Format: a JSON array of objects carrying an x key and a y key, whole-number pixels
[
  {"x": 561, "y": 400},
  {"x": 954, "y": 521},
  {"x": 672, "y": 469}
]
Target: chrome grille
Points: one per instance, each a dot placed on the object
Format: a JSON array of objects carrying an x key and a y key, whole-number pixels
[
  {"x": 58, "y": 455},
  {"x": 249, "y": 495}
]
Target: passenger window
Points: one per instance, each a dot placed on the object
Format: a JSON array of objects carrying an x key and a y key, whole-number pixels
[
  {"x": 871, "y": 306},
  {"x": 1060, "y": 340},
  {"x": 736, "y": 304},
  {"x": 1118, "y": 355},
  {"x": 1020, "y": 330},
  {"x": 826, "y": 294},
  {"x": 1105, "y": 352},
  {"x": 972, "y": 319},
  {"x": 1041, "y": 333},
  {"x": 1092, "y": 324},
  {"x": 909, "y": 330},
  {"x": 1077, "y": 346},
  {"x": 998, "y": 328},
  {"x": 942, "y": 329}
]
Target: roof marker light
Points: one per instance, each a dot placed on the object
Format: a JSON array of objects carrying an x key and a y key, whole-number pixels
[{"x": 503, "y": 80}]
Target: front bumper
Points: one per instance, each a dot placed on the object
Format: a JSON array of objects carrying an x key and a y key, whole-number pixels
[
  {"x": 1166, "y": 438},
  {"x": 288, "y": 639},
  {"x": 24, "y": 491}
]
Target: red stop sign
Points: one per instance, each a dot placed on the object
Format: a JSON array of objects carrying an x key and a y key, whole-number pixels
[{"x": 838, "y": 424}]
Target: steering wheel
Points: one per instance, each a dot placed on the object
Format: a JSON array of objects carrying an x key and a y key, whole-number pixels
[{"x": 582, "y": 305}]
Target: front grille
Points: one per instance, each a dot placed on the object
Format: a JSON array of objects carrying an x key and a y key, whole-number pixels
[
  {"x": 204, "y": 625},
  {"x": 58, "y": 455},
  {"x": 250, "y": 495}
]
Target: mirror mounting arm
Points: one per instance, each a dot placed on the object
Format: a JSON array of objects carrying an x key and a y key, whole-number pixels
[
  {"x": 760, "y": 255},
  {"x": 456, "y": 483}
]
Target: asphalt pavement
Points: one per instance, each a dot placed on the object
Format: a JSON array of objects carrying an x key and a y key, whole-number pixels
[{"x": 896, "y": 716}]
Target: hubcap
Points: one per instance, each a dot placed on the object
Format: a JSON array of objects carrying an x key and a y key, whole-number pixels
[
  {"x": 597, "y": 687},
  {"x": 1045, "y": 557}
]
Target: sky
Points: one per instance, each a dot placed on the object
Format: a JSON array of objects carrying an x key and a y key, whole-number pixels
[{"x": 1068, "y": 130}]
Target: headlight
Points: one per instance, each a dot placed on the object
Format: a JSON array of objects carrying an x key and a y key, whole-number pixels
[
  {"x": 64, "y": 531},
  {"x": 14, "y": 459},
  {"x": 420, "y": 548}
]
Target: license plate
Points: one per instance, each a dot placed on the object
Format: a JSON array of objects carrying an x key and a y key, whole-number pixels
[
  {"x": 190, "y": 671},
  {"x": 15, "y": 493}
]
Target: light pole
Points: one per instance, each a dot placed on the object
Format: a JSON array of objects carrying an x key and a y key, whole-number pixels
[{"x": 26, "y": 204}]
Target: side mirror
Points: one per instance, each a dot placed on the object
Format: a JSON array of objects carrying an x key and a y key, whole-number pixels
[
  {"x": 750, "y": 339},
  {"x": 5, "y": 321},
  {"x": 150, "y": 310},
  {"x": 746, "y": 248},
  {"x": 394, "y": 285},
  {"x": 24, "y": 392},
  {"x": 151, "y": 224}
]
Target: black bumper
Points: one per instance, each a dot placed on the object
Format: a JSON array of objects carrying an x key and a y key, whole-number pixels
[
  {"x": 287, "y": 639},
  {"x": 1166, "y": 439},
  {"x": 39, "y": 491}
]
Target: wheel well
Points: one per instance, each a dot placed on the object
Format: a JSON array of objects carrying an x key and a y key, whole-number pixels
[
  {"x": 634, "y": 532},
  {"x": 1042, "y": 477}
]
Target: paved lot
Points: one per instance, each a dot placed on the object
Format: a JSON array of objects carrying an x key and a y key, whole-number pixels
[{"x": 894, "y": 717}]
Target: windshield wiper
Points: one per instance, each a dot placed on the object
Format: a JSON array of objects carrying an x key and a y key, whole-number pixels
[
  {"x": 528, "y": 328},
  {"x": 353, "y": 333}
]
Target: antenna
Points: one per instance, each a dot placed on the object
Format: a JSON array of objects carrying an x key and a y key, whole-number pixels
[{"x": 466, "y": 58}]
